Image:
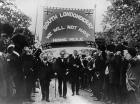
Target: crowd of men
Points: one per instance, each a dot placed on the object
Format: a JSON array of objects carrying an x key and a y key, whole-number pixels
[
  {"x": 20, "y": 72},
  {"x": 111, "y": 73}
]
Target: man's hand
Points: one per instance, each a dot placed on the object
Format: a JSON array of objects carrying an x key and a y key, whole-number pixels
[
  {"x": 67, "y": 73},
  {"x": 74, "y": 65}
]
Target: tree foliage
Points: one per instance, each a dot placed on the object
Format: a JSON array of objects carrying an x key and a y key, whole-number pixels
[
  {"x": 122, "y": 20},
  {"x": 29, "y": 38},
  {"x": 11, "y": 18},
  {"x": 9, "y": 13}
]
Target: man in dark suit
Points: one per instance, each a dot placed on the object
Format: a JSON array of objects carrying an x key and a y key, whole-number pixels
[
  {"x": 36, "y": 66},
  {"x": 45, "y": 75},
  {"x": 84, "y": 74},
  {"x": 100, "y": 66},
  {"x": 27, "y": 64},
  {"x": 62, "y": 72},
  {"x": 15, "y": 68},
  {"x": 75, "y": 70}
]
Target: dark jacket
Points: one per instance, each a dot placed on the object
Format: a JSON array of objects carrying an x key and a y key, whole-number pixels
[
  {"x": 14, "y": 65},
  {"x": 100, "y": 63},
  {"x": 84, "y": 63},
  {"x": 62, "y": 66},
  {"x": 135, "y": 67},
  {"x": 115, "y": 65},
  {"x": 46, "y": 72},
  {"x": 27, "y": 64},
  {"x": 75, "y": 66},
  {"x": 37, "y": 65}
]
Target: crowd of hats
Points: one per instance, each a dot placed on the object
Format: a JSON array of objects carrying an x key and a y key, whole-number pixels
[{"x": 119, "y": 47}]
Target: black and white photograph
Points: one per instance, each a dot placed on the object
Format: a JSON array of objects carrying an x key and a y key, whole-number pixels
[{"x": 69, "y": 51}]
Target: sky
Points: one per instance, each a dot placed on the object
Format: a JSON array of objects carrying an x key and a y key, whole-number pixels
[{"x": 32, "y": 8}]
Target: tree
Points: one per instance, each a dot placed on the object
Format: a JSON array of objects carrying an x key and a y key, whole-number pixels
[
  {"x": 122, "y": 20},
  {"x": 11, "y": 18},
  {"x": 22, "y": 37},
  {"x": 9, "y": 13},
  {"x": 24, "y": 33}
]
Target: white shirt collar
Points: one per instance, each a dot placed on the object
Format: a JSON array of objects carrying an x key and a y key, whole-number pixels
[
  {"x": 1, "y": 53},
  {"x": 138, "y": 56}
]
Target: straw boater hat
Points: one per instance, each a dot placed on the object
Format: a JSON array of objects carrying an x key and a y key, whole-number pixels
[{"x": 10, "y": 47}]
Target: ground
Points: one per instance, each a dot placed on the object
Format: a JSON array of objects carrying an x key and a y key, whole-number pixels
[{"x": 83, "y": 98}]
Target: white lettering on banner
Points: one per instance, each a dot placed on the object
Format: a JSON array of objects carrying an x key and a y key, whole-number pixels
[
  {"x": 77, "y": 16},
  {"x": 60, "y": 40},
  {"x": 49, "y": 35},
  {"x": 67, "y": 39},
  {"x": 84, "y": 32},
  {"x": 71, "y": 27},
  {"x": 75, "y": 39},
  {"x": 67, "y": 14},
  {"x": 49, "y": 21},
  {"x": 59, "y": 28}
]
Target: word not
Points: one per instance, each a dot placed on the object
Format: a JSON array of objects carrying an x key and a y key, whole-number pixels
[{"x": 71, "y": 27}]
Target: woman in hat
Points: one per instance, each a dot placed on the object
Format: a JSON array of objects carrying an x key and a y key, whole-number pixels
[{"x": 132, "y": 74}]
